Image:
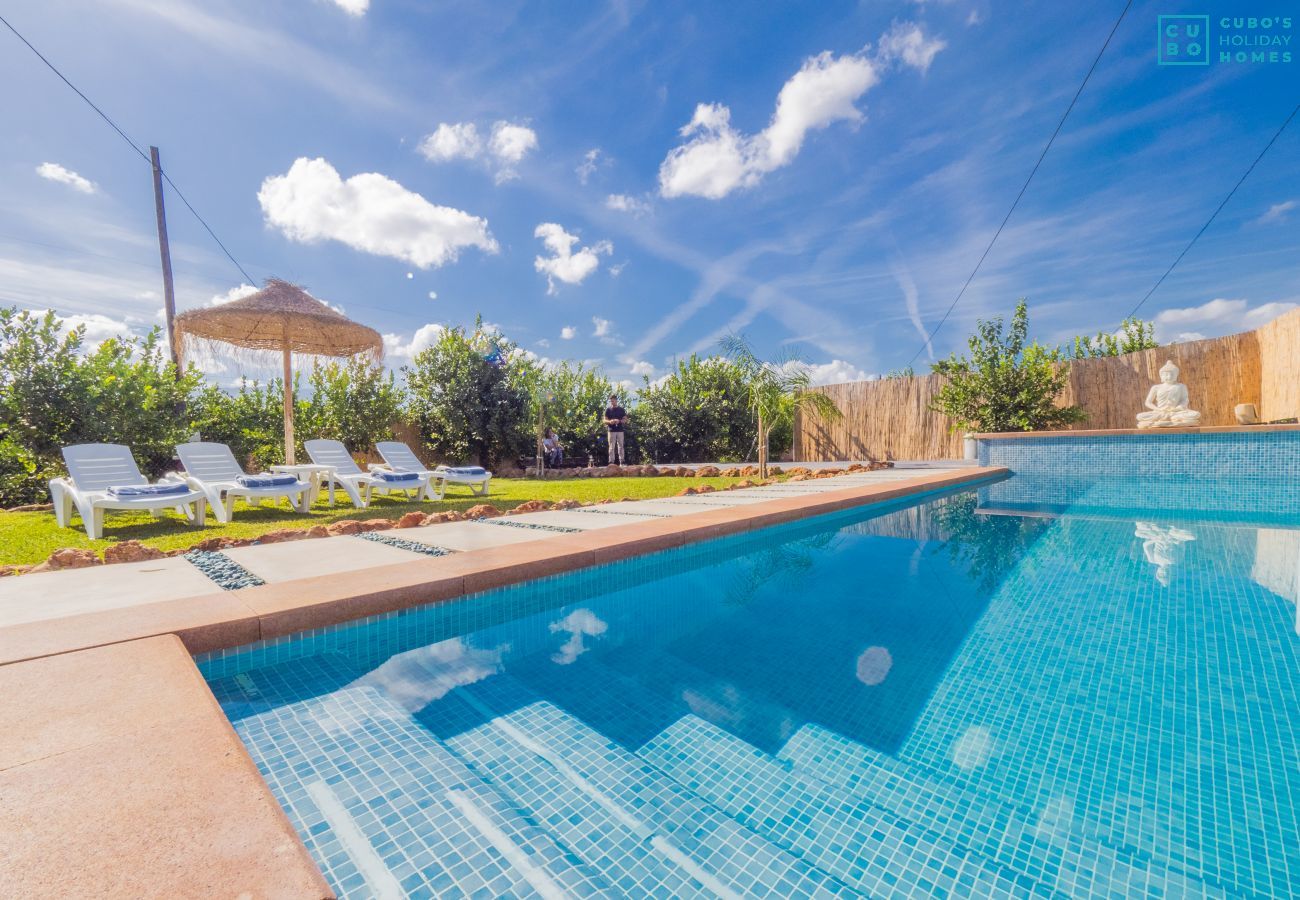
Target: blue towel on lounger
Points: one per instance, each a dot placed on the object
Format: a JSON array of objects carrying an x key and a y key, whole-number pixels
[
  {"x": 473, "y": 471},
  {"x": 134, "y": 491},
  {"x": 267, "y": 481},
  {"x": 397, "y": 477}
]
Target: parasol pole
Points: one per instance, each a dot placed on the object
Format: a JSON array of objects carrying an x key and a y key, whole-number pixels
[{"x": 288, "y": 399}]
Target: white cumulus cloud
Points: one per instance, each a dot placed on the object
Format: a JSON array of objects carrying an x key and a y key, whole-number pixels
[
  {"x": 1215, "y": 317},
  {"x": 511, "y": 143},
  {"x": 235, "y": 293},
  {"x": 718, "y": 159},
  {"x": 906, "y": 42},
  {"x": 641, "y": 367},
  {"x": 505, "y": 147},
  {"x": 452, "y": 141},
  {"x": 627, "y": 203},
  {"x": 56, "y": 172},
  {"x": 368, "y": 212},
  {"x": 353, "y": 7},
  {"x": 564, "y": 264},
  {"x": 402, "y": 347},
  {"x": 837, "y": 371},
  {"x": 568, "y": 332},
  {"x": 603, "y": 327}
]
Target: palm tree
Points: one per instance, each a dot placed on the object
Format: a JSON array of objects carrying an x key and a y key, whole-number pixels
[{"x": 777, "y": 390}]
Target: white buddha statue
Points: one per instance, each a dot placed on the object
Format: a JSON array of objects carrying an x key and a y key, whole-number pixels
[{"x": 1167, "y": 402}]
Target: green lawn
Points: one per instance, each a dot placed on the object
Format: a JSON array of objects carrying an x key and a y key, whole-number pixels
[{"x": 30, "y": 537}]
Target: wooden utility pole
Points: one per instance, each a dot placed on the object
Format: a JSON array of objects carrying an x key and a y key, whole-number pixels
[{"x": 169, "y": 293}]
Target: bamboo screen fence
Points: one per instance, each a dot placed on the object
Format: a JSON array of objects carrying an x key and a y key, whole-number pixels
[{"x": 891, "y": 418}]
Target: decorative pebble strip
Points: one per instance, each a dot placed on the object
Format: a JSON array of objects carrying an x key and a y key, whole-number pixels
[
  {"x": 622, "y": 512},
  {"x": 228, "y": 574},
  {"x": 403, "y": 544},
  {"x": 535, "y": 525}
]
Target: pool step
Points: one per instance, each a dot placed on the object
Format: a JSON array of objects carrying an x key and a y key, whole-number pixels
[
  {"x": 1045, "y": 843},
  {"x": 720, "y": 854},
  {"x": 857, "y": 843},
  {"x": 388, "y": 811},
  {"x": 1041, "y": 845},
  {"x": 590, "y": 825}
]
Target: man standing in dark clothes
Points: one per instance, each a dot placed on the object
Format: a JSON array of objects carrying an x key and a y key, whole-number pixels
[{"x": 615, "y": 422}]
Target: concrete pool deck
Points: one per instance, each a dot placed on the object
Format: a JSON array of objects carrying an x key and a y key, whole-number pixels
[{"x": 119, "y": 774}]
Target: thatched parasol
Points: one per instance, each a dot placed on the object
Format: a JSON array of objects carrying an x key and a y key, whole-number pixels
[{"x": 281, "y": 317}]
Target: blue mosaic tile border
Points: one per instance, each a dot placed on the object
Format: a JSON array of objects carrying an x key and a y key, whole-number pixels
[{"x": 1264, "y": 454}]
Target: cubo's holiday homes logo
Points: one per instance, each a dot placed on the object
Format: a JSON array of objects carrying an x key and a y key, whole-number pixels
[{"x": 1200, "y": 40}]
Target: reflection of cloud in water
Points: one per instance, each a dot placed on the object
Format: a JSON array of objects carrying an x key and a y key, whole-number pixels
[
  {"x": 1162, "y": 546},
  {"x": 972, "y": 749},
  {"x": 874, "y": 665},
  {"x": 579, "y": 623},
  {"x": 417, "y": 677}
]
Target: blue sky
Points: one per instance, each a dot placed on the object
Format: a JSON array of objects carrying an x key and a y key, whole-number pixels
[{"x": 625, "y": 182}]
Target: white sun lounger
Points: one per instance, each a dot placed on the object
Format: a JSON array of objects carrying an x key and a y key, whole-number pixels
[
  {"x": 359, "y": 485},
  {"x": 475, "y": 478},
  {"x": 97, "y": 471},
  {"x": 398, "y": 457},
  {"x": 213, "y": 469}
]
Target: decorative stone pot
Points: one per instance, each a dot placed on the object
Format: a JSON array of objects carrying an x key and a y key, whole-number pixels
[{"x": 970, "y": 447}]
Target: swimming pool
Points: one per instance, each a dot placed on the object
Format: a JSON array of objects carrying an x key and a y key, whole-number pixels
[{"x": 970, "y": 694}]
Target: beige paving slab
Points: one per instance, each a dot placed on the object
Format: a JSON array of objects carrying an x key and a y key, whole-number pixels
[
  {"x": 121, "y": 777},
  {"x": 322, "y": 556},
  {"x": 54, "y": 595},
  {"x": 572, "y": 518},
  {"x": 469, "y": 535}
]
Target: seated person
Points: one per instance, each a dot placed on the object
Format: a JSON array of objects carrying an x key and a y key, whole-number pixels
[{"x": 551, "y": 449}]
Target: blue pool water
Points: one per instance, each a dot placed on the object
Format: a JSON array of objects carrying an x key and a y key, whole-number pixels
[{"x": 974, "y": 695}]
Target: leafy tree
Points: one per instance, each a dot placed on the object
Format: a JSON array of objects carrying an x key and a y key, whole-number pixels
[
  {"x": 777, "y": 391},
  {"x": 132, "y": 394},
  {"x": 576, "y": 406},
  {"x": 1007, "y": 384},
  {"x": 905, "y": 372},
  {"x": 698, "y": 412},
  {"x": 40, "y": 370},
  {"x": 355, "y": 401},
  {"x": 1134, "y": 335},
  {"x": 468, "y": 396}
]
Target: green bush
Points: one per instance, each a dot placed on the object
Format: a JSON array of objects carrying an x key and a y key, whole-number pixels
[
  {"x": 250, "y": 420},
  {"x": 699, "y": 412},
  {"x": 53, "y": 395},
  {"x": 1007, "y": 384},
  {"x": 355, "y": 401},
  {"x": 131, "y": 394},
  {"x": 467, "y": 395}
]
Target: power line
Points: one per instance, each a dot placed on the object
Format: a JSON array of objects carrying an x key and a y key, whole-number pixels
[
  {"x": 1025, "y": 187},
  {"x": 133, "y": 145},
  {"x": 1277, "y": 134}
]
